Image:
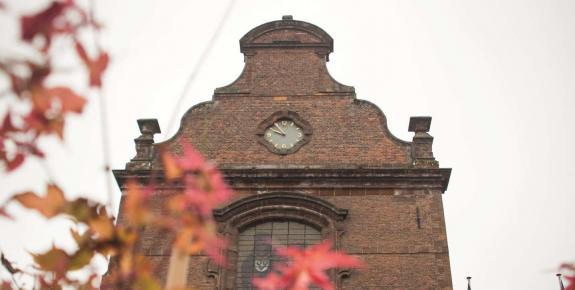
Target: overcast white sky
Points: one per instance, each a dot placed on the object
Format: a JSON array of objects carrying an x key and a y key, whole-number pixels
[{"x": 498, "y": 77}]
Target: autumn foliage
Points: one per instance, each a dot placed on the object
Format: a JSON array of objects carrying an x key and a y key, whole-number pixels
[
  {"x": 49, "y": 105},
  {"x": 306, "y": 267},
  {"x": 186, "y": 215}
]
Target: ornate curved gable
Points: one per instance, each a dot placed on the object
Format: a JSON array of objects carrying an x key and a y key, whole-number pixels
[
  {"x": 286, "y": 33},
  {"x": 286, "y": 58},
  {"x": 285, "y": 78}
]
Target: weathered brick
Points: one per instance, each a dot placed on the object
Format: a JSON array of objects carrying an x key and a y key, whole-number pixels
[{"x": 394, "y": 219}]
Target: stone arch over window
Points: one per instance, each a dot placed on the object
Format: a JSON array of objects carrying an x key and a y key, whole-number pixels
[{"x": 275, "y": 208}]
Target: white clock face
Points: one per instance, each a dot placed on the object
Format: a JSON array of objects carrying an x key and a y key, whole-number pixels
[{"x": 284, "y": 134}]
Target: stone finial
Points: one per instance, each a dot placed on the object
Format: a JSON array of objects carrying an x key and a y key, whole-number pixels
[
  {"x": 144, "y": 145},
  {"x": 149, "y": 127},
  {"x": 421, "y": 147},
  {"x": 419, "y": 124},
  {"x": 287, "y": 17}
]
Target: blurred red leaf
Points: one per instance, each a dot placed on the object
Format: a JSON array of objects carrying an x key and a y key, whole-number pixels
[
  {"x": 96, "y": 67},
  {"x": 59, "y": 262},
  {"x": 7, "y": 125},
  {"x": 190, "y": 213},
  {"x": 306, "y": 267},
  {"x": 206, "y": 191},
  {"x": 55, "y": 261},
  {"x": 83, "y": 210},
  {"x": 46, "y": 23},
  {"x": 191, "y": 161},
  {"x": 12, "y": 163},
  {"x": 195, "y": 236},
  {"x": 5, "y": 285},
  {"x": 570, "y": 278},
  {"x": 49, "y": 205},
  {"x": 58, "y": 100},
  {"x": 205, "y": 185},
  {"x": 146, "y": 282},
  {"x": 34, "y": 79},
  {"x": 171, "y": 168},
  {"x": 136, "y": 208},
  {"x": 41, "y": 124},
  {"x": 9, "y": 135},
  {"x": 49, "y": 108},
  {"x": 5, "y": 214},
  {"x": 102, "y": 225}
]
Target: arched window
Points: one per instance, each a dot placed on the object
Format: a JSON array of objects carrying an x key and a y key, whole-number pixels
[
  {"x": 256, "y": 223},
  {"x": 255, "y": 247}
]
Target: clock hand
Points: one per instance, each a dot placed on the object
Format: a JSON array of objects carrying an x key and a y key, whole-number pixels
[
  {"x": 283, "y": 133},
  {"x": 277, "y": 131}
]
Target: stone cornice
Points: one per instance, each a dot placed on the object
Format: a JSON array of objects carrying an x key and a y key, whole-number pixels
[
  {"x": 269, "y": 178},
  {"x": 247, "y": 42}
]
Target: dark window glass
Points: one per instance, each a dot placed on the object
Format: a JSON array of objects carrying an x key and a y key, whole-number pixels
[{"x": 255, "y": 248}]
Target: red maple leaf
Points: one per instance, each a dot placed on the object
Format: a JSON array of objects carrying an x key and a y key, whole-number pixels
[
  {"x": 4, "y": 213},
  {"x": 57, "y": 99},
  {"x": 175, "y": 167},
  {"x": 194, "y": 235},
  {"x": 11, "y": 162},
  {"x": 205, "y": 185},
  {"x": 136, "y": 207},
  {"x": 10, "y": 134},
  {"x": 49, "y": 205},
  {"x": 204, "y": 189},
  {"x": 50, "y": 106},
  {"x": 7, "y": 126},
  {"x": 35, "y": 77},
  {"x": 41, "y": 124},
  {"x": 207, "y": 191},
  {"x": 96, "y": 67},
  {"x": 306, "y": 267},
  {"x": 48, "y": 22}
]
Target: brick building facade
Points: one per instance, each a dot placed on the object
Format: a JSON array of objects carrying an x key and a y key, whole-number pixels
[{"x": 308, "y": 161}]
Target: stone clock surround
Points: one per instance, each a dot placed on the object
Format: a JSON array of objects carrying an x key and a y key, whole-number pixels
[{"x": 290, "y": 115}]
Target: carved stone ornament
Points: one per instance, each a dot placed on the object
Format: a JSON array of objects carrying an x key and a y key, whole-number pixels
[
  {"x": 144, "y": 145},
  {"x": 269, "y": 125},
  {"x": 262, "y": 264},
  {"x": 421, "y": 147}
]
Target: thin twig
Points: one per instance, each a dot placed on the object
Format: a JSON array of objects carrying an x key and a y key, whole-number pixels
[
  {"x": 198, "y": 66},
  {"x": 15, "y": 282},
  {"x": 177, "y": 269},
  {"x": 103, "y": 117}
]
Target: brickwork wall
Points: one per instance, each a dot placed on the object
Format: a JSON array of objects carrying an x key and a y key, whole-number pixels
[
  {"x": 398, "y": 230},
  {"x": 401, "y": 251},
  {"x": 277, "y": 72},
  {"x": 345, "y": 132}
]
